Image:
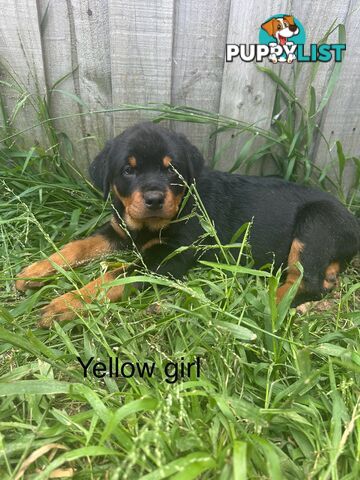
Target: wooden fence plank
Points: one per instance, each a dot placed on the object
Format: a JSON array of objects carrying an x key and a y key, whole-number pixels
[
  {"x": 141, "y": 38},
  {"x": 91, "y": 24},
  {"x": 316, "y": 18},
  {"x": 60, "y": 59},
  {"x": 21, "y": 54},
  {"x": 246, "y": 94},
  {"x": 341, "y": 119},
  {"x": 76, "y": 39},
  {"x": 200, "y": 31}
]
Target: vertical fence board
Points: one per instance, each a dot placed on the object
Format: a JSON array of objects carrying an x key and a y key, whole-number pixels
[
  {"x": 91, "y": 25},
  {"x": 76, "y": 39},
  {"x": 60, "y": 59},
  {"x": 308, "y": 13},
  {"x": 341, "y": 119},
  {"x": 246, "y": 94},
  {"x": 21, "y": 55},
  {"x": 141, "y": 38},
  {"x": 200, "y": 31}
]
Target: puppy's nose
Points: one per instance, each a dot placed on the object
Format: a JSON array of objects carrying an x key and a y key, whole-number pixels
[
  {"x": 293, "y": 28},
  {"x": 154, "y": 200}
]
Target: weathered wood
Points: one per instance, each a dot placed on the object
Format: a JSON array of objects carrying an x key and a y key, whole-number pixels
[
  {"x": 341, "y": 119},
  {"x": 141, "y": 39},
  {"x": 316, "y": 18},
  {"x": 76, "y": 39},
  {"x": 60, "y": 59},
  {"x": 22, "y": 63},
  {"x": 170, "y": 51},
  {"x": 200, "y": 31},
  {"x": 91, "y": 24},
  {"x": 246, "y": 93}
]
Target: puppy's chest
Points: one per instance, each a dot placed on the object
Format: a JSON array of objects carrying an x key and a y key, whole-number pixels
[{"x": 145, "y": 239}]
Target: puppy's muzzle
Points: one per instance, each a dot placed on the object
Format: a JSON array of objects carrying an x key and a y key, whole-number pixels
[{"x": 154, "y": 200}]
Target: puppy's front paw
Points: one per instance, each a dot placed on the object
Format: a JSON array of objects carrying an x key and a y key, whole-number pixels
[
  {"x": 291, "y": 58},
  {"x": 59, "y": 309},
  {"x": 273, "y": 58},
  {"x": 36, "y": 270}
]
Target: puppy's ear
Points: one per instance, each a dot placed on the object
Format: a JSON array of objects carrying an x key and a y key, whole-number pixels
[
  {"x": 290, "y": 19},
  {"x": 269, "y": 27},
  {"x": 99, "y": 170},
  {"x": 194, "y": 158}
]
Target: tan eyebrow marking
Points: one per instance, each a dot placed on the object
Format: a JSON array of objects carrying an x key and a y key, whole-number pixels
[
  {"x": 166, "y": 161},
  {"x": 132, "y": 162}
]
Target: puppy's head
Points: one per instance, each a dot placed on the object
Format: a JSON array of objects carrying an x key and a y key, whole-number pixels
[
  {"x": 281, "y": 28},
  {"x": 146, "y": 168}
]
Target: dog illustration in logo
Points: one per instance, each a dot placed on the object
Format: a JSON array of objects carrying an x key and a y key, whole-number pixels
[{"x": 282, "y": 29}]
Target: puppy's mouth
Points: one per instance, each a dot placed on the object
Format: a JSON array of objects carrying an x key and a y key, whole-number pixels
[
  {"x": 286, "y": 34},
  {"x": 282, "y": 40},
  {"x": 154, "y": 209},
  {"x": 152, "y": 205}
]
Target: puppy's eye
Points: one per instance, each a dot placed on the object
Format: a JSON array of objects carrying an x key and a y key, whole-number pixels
[
  {"x": 279, "y": 27},
  {"x": 128, "y": 170}
]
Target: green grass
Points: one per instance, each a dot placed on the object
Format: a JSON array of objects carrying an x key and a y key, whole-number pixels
[
  {"x": 277, "y": 397},
  {"x": 278, "y": 394}
]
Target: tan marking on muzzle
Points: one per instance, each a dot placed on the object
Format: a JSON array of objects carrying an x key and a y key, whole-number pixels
[{"x": 137, "y": 214}]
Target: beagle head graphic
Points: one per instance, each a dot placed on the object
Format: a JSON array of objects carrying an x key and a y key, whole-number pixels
[{"x": 281, "y": 28}]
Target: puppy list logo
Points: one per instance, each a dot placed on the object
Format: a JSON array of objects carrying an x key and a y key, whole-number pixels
[{"x": 282, "y": 40}]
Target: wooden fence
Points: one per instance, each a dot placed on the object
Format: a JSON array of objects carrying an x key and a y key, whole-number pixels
[{"x": 168, "y": 51}]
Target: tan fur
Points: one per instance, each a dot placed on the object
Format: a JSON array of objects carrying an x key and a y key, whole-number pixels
[
  {"x": 73, "y": 254},
  {"x": 293, "y": 272},
  {"x": 166, "y": 161},
  {"x": 132, "y": 162},
  {"x": 331, "y": 275},
  {"x": 289, "y": 19},
  {"x": 271, "y": 26},
  {"x": 68, "y": 305},
  {"x": 151, "y": 243},
  {"x": 120, "y": 231},
  {"x": 137, "y": 216}
]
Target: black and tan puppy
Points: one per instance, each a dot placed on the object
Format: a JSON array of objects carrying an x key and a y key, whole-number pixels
[{"x": 148, "y": 170}]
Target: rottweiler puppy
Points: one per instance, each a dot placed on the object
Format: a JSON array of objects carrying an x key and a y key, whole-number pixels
[{"x": 149, "y": 170}]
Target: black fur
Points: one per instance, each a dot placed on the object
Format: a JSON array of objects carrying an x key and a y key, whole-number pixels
[{"x": 281, "y": 211}]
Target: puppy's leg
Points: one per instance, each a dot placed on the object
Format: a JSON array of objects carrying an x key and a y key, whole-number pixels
[
  {"x": 331, "y": 276},
  {"x": 293, "y": 272},
  {"x": 176, "y": 267},
  {"x": 71, "y": 255},
  {"x": 67, "y": 306},
  {"x": 328, "y": 240}
]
